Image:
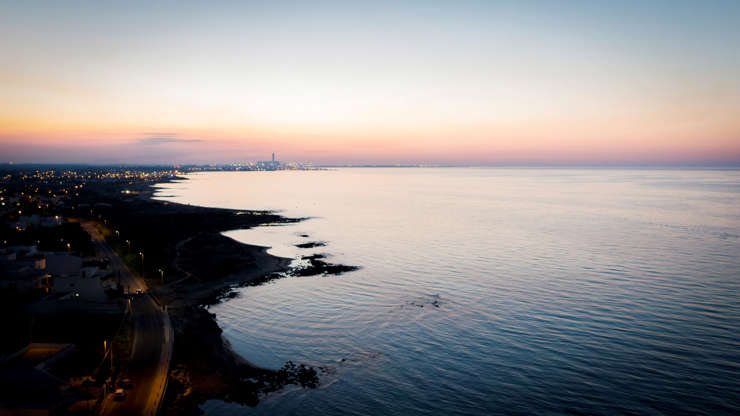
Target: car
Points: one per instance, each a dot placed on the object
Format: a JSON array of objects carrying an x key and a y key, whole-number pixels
[
  {"x": 125, "y": 383},
  {"x": 139, "y": 291},
  {"x": 119, "y": 394}
]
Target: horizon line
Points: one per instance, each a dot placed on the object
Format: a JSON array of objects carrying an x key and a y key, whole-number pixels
[{"x": 695, "y": 165}]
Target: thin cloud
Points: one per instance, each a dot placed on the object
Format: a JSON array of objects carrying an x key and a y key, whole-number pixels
[
  {"x": 166, "y": 139},
  {"x": 158, "y": 134}
]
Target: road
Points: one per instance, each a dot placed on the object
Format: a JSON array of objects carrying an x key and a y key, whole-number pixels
[{"x": 152, "y": 348}]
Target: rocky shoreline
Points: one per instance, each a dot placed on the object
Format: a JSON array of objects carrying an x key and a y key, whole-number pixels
[
  {"x": 205, "y": 367},
  {"x": 203, "y": 267}
]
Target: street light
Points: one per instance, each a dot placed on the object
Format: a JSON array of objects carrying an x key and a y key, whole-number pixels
[
  {"x": 142, "y": 263},
  {"x": 161, "y": 274}
]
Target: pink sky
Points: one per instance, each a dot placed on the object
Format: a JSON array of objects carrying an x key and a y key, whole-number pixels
[{"x": 475, "y": 84}]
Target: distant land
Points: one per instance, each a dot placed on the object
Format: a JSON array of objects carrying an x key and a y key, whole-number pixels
[{"x": 254, "y": 166}]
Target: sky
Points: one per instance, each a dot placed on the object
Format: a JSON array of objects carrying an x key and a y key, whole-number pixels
[{"x": 458, "y": 82}]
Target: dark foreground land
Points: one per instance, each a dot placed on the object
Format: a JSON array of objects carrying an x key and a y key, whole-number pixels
[
  {"x": 186, "y": 264},
  {"x": 189, "y": 264}
]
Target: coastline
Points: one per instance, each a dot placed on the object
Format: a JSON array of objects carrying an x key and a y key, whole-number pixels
[
  {"x": 208, "y": 267},
  {"x": 189, "y": 264},
  {"x": 205, "y": 366}
]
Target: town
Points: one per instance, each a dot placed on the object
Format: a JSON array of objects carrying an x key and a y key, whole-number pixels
[
  {"x": 67, "y": 302},
  {"x": 89, "y": 269}
]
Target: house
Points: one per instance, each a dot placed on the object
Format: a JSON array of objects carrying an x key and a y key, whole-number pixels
[
  {"x": 73, "y": 280},
  {"x": 27, "y": 388},
  {"x": 21, "y": 278},
  {"x": 24, "y": 273}
]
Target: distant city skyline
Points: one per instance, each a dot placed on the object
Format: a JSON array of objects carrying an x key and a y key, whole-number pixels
[{"x": 463, "y": 83}]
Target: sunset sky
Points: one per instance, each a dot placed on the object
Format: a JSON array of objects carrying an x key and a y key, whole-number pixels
[{"x": 521, "y": 82}]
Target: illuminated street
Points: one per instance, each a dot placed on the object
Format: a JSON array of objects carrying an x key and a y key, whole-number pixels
[{"x": 152, "y": 348}]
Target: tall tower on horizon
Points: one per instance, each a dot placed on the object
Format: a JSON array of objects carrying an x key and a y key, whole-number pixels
[{"x": 273, "y": 157}]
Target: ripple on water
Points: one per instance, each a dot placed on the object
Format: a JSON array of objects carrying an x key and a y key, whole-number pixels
[{"x": 490, "y": 291}]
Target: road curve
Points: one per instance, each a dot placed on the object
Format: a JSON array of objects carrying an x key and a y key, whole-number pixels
[{"x": 153, "y": 338}]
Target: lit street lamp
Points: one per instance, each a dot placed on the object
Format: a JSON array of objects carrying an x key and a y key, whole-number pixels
[{"x": 142, "y": 263}]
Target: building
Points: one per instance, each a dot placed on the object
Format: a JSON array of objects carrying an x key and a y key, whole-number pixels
[
  {"x": 269, "y": 164},
  {"x": 23, "y": 271},
  {"x": 74, "y": 280},
  {"x": 27, "y": 387},
  {"x": 21, "y": 278}
]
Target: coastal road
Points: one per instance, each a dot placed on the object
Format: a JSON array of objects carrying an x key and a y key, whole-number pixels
[{"x": 152, "y": 348}]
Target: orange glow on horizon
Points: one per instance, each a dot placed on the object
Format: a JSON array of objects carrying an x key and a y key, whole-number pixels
[{"x": 471, "y": 85}]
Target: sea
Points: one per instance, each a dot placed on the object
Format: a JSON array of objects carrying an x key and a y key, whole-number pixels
[{"x": 486, "y": 291}]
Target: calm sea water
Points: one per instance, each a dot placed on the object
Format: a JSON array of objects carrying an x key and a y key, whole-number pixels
[{"x": 494, "y": 291}]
